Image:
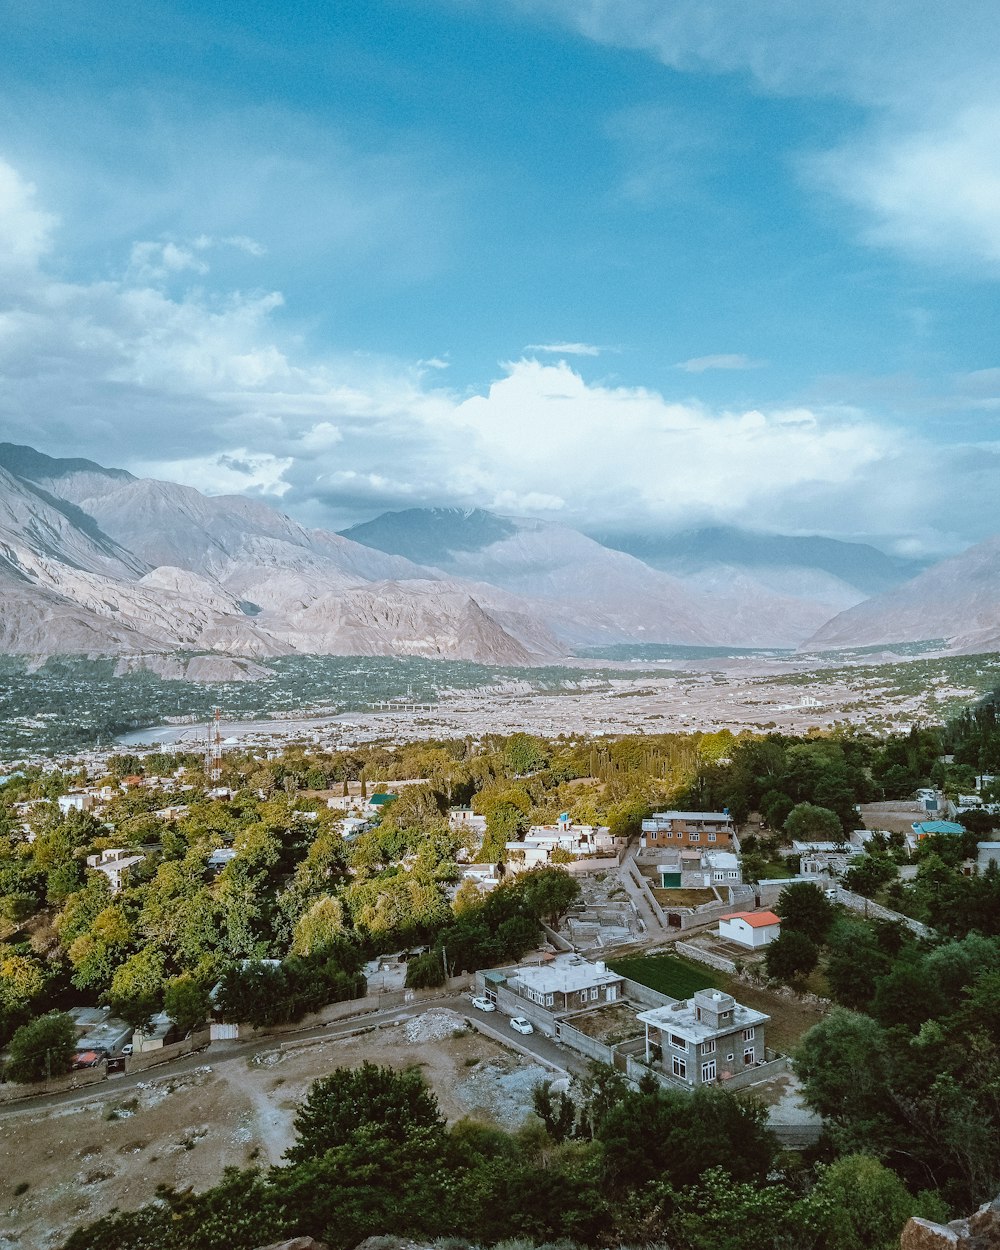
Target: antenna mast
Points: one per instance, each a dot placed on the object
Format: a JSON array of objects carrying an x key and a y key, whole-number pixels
[{"x": 214, "y": 760}]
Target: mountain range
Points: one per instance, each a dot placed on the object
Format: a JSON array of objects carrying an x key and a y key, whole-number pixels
[{"x": 97, "y": 561}]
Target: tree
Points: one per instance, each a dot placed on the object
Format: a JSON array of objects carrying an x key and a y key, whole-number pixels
[
  {"x": 320, "y": 926},
  {"x": 137, "y": 986},
  {"x": 186, "y": 1002},
  {"x": 869, "y": 874},
  {"x": 854, "y": 964},
  {"x": 804, "y": 907},
  {"x": 791, "y": 956},
  {"x": 549, "y": 892},
  {"x": 809, "y": 823},
  {"x": 43, "y": 1048},
  {"x": 397, "y": 1103},
  {"x": 866, "y": 1204}
]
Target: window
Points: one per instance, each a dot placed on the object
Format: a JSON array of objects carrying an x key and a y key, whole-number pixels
[
  {"x": 748, "y": 1056},
  {"x": 708, "y": 1071},
  {"x": 694, "y": 836},
  {"x": 730, "y": 1058},
  {"x": 712, "y": 837},
  {"x": 708, "y": 1048},
  {"x": 548, "y": 1000},
  {"x": 680, "y": 1043},
  {"x": 593, "y": 994},
  {"x": 679, "y": 1067},
  {"x": 583, "y": 996},
  {"x": 748, "y": 1035}
]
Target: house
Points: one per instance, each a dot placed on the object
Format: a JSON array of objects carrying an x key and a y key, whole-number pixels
[
  {"x": 484, "y": 877},
  {"x": 567, "y": 983},
  {"x": 76, "y": 801},
  {"x": 750, "y": 928},
  {"x": 825, "y": 860},
  {"x": 562, "y": 842},
  {"x": 704, "y": 1039},
  {"x": 987, "y": 853},
  {"x": 464, "y": 819},
  {"x": 220, "y": 857},
  {"x": 688, "y": 829},
  {"x": 98, "y": 1030},
  {"x": 378, "y": 801},
  {"x": 115, "y": 864},
  {"x": 157, "y": 1033},
  {"x": 699, "y": 869},
  {"x": 925, "y": 828}
]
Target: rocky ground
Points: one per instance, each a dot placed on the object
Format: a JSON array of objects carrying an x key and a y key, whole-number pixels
[{"x": 69, "y": 1165}]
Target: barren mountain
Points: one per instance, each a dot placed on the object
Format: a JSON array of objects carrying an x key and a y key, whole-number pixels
[
  {"x": 957, "y": 599},
  {"x": 225, "y": 574},
  {"x": 588, "y": 593}
]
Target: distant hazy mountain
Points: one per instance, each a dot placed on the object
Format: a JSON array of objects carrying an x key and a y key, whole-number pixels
[
  {"x": 227, "y": 574},
  {"x": 858, "y": 565},
  {"x": 957, "y": 599},
  {"x": 588, "y": 593}
]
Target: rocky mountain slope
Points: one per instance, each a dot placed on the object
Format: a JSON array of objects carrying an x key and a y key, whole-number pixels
[
  {"x": 957, "y": 599},
  {"x": 224, "y": 574}
]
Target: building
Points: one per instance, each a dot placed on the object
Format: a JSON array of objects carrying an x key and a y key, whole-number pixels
[
  {"x": 700, "y": 829},
  {"x": 464, "y": 819},
  {"x": 157, "y": 1033},
  {"x": 567, "y": 983},
  {"x": 76, "y": 801},
  {"x": 750, "y": 928},
  {"x": 563, "y": 842},
  {"x": 987, "y": 853},
  {"x": 220, "y": 857},
  {"x": 825, "y": 860},
  {"x": 705, "y": 1039},
  {"x": 699, "y": 869},
  {"x": 925, "y": 828},
  {"x": 115, "y": 864},
  {"x": 98, "y": 1030}
]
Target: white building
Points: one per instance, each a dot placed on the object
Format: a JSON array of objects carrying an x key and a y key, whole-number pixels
[
  {"x": 699, "y": 870},
  {"x": 577, "y": 841},
  {"x": 750, "y": 928},
  {"x": 567, "y": 983},
  {"x": 76, "y": 801},
  {"x": 115, "y": 864}
]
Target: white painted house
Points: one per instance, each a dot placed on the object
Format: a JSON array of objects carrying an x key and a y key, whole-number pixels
[{"x": 750, "y": 928}]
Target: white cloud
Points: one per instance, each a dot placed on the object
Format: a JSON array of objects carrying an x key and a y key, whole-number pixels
[
  {"x": 210, "y": 389},
  {"x": 565, "y": 349},
  {"x": 923, "y": 167},
  {"x": 235, "y": 472},
  {"x": 25, "y": 229},
  {"x": 701, "y": 364},
  {"x": 934, "y": 191}
]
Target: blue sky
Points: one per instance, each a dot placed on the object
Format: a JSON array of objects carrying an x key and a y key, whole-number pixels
[{"x": 621, "y": 263}]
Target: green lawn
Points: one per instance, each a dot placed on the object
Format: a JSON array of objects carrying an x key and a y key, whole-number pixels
[{"x": 678, "y": 978}]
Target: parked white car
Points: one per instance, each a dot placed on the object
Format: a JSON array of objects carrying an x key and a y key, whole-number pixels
[
  {"x": 521, "y": 1024},
  {"x": 482, "y": 1004}
]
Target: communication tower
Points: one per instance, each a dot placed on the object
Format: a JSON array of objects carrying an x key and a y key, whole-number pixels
[{"x": 213, "y": 757}]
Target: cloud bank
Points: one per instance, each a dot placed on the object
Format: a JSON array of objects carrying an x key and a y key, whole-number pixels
[{"x": 214, "y": 390}]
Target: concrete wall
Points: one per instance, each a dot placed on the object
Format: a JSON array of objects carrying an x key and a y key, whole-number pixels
[
  {"x": 10, "y": 1091},
  {"x": 858, "y": 903},
  {"x": 646, "y": 996},
  {"x": 640, "y": 882},
  {"x": 760, "y": 1072},
  {"x": 362, "y": 1006},
  {"x": 557, "y": 940},
  {"x": 692, "y": 951},
  {"x": 152, "y": 1058},
  {"x": 583, "y": 1044}
]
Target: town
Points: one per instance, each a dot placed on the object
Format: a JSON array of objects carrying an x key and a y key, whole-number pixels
[{"x": 691, "y": 912}]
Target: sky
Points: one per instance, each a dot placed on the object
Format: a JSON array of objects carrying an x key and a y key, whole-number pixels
[{"x": 628, "y": 265}]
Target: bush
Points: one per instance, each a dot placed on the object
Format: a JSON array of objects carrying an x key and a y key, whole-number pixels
[{"x": 43, "y": 1048}]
